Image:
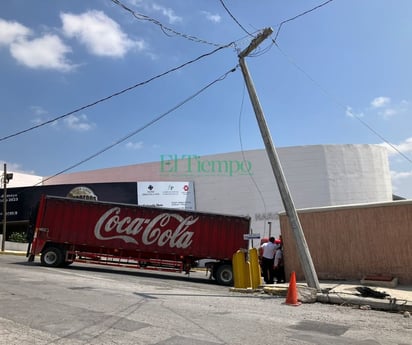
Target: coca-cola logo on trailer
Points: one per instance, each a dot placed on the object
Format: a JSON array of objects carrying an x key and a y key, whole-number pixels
[{"x": 159, "y": 230}]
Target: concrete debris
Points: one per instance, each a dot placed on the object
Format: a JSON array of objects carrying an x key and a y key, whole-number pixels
[
  {"x": 274, "y": 290},
  {"x": 307, "y": 294}
]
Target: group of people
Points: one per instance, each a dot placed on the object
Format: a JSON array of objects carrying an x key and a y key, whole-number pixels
[{"x": 271, "y": 261}]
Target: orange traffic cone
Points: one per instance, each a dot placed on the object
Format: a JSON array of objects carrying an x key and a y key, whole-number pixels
[{"x": 292, "y": 296}]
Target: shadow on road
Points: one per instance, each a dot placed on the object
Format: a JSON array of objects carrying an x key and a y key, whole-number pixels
[{"x": 199, "y": 277}]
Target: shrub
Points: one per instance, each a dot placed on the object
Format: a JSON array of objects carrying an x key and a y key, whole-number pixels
[{"x": 18, "y": 237}]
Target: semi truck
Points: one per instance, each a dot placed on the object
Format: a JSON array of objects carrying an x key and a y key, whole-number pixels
[{"x": 67, "y": 230}]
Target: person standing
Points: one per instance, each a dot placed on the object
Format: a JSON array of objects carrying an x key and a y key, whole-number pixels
[
  {"x": 279, "y": 268},
  {"x": 268, "y": 257}
]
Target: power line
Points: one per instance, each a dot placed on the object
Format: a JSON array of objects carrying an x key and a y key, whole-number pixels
[
  {"x": 300, "y": 15},
  {"x": 260, "y": 52},
  {"x": 339, "y": 103},
  {"x": 265, "y": 50},
  {"x": 236, "y": 21},
  {"x": 156, "y": 119},
  {"x": 166, "y": 30},
  {"x": 379, "y": 136},
  {"x": 324, "y": 90},
  {"x": 113, "y": 95},
  {"x": 244, "y": 158}
]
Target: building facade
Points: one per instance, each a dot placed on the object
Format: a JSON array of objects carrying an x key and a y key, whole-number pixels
[{"x": 243, "y": 183}]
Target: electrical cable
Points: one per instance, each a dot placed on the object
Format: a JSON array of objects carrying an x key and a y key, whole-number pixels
[
  {"x": 298, "y": 16},
  {"x": 114, "y": 94},
  {"x": 244, "y": 159},
  {"x": 260, "y": 52},
  {"x": 340, "y": 104},
  {"x": 236, "y": 21},
  {"x": 323, "y": 89},
  {"x": 156, "y": 119},
  {"x": 265, "y": 50},
  {"x": 164, "y": 28}
]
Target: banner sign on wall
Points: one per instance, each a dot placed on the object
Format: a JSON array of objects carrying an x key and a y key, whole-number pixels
[
  {"x": 168, "y": 194},
  {"x": 22, "y": 200}
]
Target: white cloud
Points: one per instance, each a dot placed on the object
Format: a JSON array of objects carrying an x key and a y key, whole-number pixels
[
  {"x": 38, "y": 110},
  {"x": 401, "y": 180},
  {"x": 387, "y": 113},
  {"x": 215, "y": 18},
  {"x": 16, "y": 167},
  {"x": 402, "y": 183},
  {"x": 386, "y": 108},
  {"x": 99, "y": 33},
  {"x": 47, "y": 52},
  {"x": 349, "y": 112},
  {"x": 405, "y": 147},
  {"x": 380, "y": 102},
  {"x": 167, "y": 12},
  {"x": 396, "y": 175},
  {"x": 135, "y": 2},
  {"x": 135, "y": 146},
  {"x": 78, "y": 122},
  {"x": 12, "y": 31}
]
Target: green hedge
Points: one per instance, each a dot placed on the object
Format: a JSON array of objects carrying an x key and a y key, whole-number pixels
[{"x": 18, "y": 237}]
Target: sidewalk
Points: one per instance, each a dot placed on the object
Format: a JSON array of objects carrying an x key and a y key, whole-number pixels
[{"x": 399, "y": 298}]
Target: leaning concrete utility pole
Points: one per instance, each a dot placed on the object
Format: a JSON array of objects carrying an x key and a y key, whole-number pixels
[{"x": 303, "y": 250}]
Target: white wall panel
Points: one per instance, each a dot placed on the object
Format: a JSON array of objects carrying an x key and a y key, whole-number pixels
[{"x": 318, "y": 175}]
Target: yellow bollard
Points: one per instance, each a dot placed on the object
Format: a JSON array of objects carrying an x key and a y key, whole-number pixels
[
  {"x": 241, "y": 276},
  {"x": 247, "y": 274},
  {"x": 255, "y": 276}
]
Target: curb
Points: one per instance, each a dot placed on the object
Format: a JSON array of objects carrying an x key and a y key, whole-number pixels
[
  {"x": 366, "y": 303},
  {"x": 391, "y": 304},
  {"x": 246, "y": 290}
]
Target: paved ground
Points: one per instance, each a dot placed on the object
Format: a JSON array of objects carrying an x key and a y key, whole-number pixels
[
  {"x": 90, "y": 304},
  {"x": 337, "y": 292}
]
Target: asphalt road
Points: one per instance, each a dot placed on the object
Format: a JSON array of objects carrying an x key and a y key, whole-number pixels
[{"x": 86, "y": 304}]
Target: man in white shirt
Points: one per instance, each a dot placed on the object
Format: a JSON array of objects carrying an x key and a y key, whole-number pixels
[{"x": 268, "y": 257}]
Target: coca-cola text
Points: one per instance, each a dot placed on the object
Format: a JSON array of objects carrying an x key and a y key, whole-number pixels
[{"x": 111, "y": 225}]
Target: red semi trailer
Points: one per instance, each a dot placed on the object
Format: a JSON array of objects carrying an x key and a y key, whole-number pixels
[{"x": 68, "y": 230}]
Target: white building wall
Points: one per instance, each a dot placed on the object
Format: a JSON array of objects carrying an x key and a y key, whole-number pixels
[
  {"x": 359, "y": 173},
  {"x": 305, "y": 169},
  {"x": 318, "y": 175},
  {"x": 23, "y": 180}
]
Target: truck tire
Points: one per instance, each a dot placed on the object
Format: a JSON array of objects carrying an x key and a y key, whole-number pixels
[
  {"x": 224, "y": 274},
  {"x": 52, "y": 257}
]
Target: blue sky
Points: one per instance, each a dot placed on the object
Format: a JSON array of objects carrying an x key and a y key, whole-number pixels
[{"x": 333, "y": 70}]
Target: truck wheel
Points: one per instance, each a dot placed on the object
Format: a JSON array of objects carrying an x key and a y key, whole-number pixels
[
  {"x": 52, "y": 257},
  {"x": 224, "y": 275}
]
